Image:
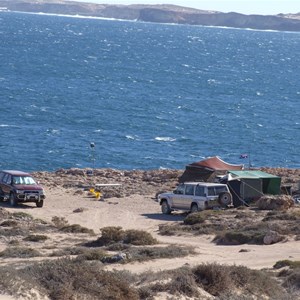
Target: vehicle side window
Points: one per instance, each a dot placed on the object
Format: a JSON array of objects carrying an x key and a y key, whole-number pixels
[
  {"x": 220, "y": 189},
  {"x": 5, "y": 178},
  {"x": 199, "y": 191},
  {"x": 189, "y": 190},
  {"x": 211, "y": 191},
  {"x": 1, "y": 175},
  {"x": 8, "y": 179},
  {"x": 180, "y": 189}
]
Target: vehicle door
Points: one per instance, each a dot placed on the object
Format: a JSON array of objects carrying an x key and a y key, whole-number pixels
[
  {"x": 6, "y": 184},
  {"x": 188, "y": 196},
  {"x": 177, "y": 196},
  {"x": 212, "y": 196},
  {"x": 200, "y": 196}
]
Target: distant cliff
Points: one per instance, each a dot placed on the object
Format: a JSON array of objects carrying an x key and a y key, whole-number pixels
[{"x": 157, "y": 13}]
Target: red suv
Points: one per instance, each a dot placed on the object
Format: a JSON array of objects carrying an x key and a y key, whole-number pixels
[{"x": 18, "y": 186}]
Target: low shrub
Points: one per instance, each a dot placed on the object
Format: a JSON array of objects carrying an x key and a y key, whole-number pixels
[
  {"x": 287, "y": 263},
  {"x": 239, "y": 237},
  {"x": 77, "y": 279},
  {"x": 201, "y": 216},
  {"x": 194, "y": 218},
  {"x": 36, "y": 238},
  {"x": 169, "y": 229},
  {"x": 184, "y": 283},
  {"x": 9, "y": 223},
  {"x": 22, "y": 216},
  {"x": 221, "y": 280},
  {"x": 115, "y": 234},
  {"x": 110, "y": 235},
  {"x": 20, "y": 252},
  {"x": 281, "y": 215},
  {"x": 148, "y": 253},
  {"x": 76, "y": 228},
  {"x": 275, "y": 202},
  {"x": 92, "y": 254},
  {"x": 139, "y": 238},
  {"x": 59, "y": 222},
  {"x": 69, "y": 251},
  {"x": 118, "y": 247},
  {"x": 292, "y": 282}
]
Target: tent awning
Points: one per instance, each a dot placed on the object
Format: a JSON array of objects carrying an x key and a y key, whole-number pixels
[
  {"x": 216, "y": 163},
  {"x": 251, "y": 174}
]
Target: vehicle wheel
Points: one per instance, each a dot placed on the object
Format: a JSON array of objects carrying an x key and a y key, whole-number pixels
[
  {"x": 39, "y": 203},
  {"x": 194, "y": 208},
  {"x": 225, "y": 199},
  {"x": 165, "y": 208},
  {"x": 12, "y": 200}
]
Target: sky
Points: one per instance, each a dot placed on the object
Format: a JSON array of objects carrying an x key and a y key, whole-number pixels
[{"x": 261, "y": 7}]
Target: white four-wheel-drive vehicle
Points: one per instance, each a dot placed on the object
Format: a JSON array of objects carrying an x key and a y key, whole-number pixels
[{"x": 194, "y": 196}]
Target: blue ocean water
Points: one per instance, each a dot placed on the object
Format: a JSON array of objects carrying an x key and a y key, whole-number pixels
[{"x": 148, "y": 95}]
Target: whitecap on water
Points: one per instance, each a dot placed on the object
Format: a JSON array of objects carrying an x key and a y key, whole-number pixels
[
  {"x": 165, "y": 139},
  {"x": 130, "y": 137}
]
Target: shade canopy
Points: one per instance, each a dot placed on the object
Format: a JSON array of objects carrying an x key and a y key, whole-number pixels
[{"x": 205, "y": 169}]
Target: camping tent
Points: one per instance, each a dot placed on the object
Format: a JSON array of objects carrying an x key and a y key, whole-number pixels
[
  {"x": 206, "y": 169},
  {"x": 251, "y": 184}
]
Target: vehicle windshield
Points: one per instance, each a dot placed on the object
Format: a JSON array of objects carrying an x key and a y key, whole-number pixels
[{"x": 23, "y": 180}]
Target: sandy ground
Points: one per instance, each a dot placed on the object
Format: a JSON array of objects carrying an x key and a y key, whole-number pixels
[{"x": 143, "y": 212}]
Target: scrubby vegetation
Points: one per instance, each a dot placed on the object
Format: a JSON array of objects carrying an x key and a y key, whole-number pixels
[
  {"x": 36, "y": 238},
  {"x": 115, "y": 234},
  {"x": 287, "y": 263},
  {"x": 239, "y": 226},
  {"x": 290, "y": 276},
  {"x": 20, "y": 252},
  {"x": 275, "y": 202},
  {"x": 78, "y": 279}
]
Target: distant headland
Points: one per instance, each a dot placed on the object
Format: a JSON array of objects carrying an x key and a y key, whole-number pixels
[{"x": 157, "y": 14}]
